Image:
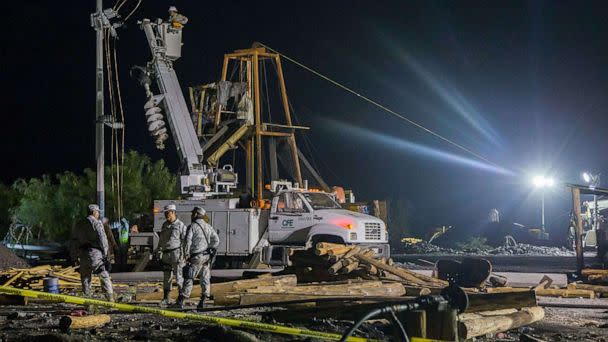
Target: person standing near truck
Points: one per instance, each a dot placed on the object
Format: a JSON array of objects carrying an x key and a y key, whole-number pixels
[
  {"x": 90, "y": 247},
  {"x": 170, "y": 251},
  {"x": 200, "y": 247}
]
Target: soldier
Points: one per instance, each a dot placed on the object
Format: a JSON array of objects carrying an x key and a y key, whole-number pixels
[
  {"x": 91, "y": 247},
  {"x": 170, "y": 251},
  {"x": 199, "y": 247}
]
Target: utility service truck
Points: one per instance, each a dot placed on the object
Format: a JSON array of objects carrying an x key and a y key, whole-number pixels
[{"x": 292, "y": 216}]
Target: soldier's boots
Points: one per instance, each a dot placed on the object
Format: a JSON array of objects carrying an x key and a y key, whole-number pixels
[
  {"x": 165, "y": 301},
  {"x": 201, "y": 304},
  {"x": 110, "y": 298},
  {"x": 179, "y": 304}
]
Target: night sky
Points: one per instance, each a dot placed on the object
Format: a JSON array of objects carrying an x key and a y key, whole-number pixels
[{"x": 521, "y": 83}]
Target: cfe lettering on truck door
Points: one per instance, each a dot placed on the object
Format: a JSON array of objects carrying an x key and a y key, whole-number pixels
[{"x": 290, "y": 217}]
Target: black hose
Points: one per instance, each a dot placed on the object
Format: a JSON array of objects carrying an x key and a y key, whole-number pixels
[
  {"x": 352, "y": 329},
  {"x": 404, "y": 336},
  {"x": 387, "y": 309}
]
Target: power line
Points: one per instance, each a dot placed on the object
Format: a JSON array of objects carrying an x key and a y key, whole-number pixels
[{"x": 384, "y": 108}]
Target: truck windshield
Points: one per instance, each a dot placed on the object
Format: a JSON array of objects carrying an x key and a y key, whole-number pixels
[{"x": 320, "y": 200}]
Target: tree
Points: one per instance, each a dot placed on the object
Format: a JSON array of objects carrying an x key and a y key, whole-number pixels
[
  {"x": 52, "y": 205},
  {"x": 9, "y": 198}
]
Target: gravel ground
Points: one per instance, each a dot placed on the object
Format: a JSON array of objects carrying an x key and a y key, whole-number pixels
[
  {"x": 40, "y": 323},
  {"x": 8, "y": 259}
]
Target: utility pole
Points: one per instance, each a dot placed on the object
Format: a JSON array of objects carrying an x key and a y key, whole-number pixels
[{"x": 98, "y": 24}]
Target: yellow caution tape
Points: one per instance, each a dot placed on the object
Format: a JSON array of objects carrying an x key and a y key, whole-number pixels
[{"x": 279, "y": 329}]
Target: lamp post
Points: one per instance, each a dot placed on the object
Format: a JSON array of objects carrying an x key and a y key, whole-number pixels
[
  {"x": 594, "y": 181},
  {"x": 542, "y": 183}
]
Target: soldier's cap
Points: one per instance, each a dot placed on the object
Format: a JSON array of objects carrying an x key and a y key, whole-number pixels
[
  {"x": 93, "y": 207},
  {"x": 170, "y": 207},
  {"x": 199, "y": 210},
  {"x": 172, "y": 9}
]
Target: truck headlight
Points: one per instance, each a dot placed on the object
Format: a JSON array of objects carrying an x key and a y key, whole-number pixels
[{"x": 353, "y": 236}]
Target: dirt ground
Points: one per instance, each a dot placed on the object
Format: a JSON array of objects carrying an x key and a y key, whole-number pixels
[{"x": 36, "y": 322}]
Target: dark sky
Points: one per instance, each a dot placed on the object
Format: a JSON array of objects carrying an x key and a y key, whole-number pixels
[{"x": 521, "y": 83}]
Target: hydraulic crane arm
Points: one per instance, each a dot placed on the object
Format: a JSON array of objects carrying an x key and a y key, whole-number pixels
[{"x": 164, "y": 40}]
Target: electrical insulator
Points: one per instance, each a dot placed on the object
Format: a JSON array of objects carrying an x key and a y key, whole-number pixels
[{"x": 156, "y": 124}]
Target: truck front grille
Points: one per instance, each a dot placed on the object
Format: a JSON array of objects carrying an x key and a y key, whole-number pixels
[{"x": 373, "y": 231}]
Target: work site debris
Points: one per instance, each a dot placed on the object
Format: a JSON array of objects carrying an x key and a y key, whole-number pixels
[
  {"x": 33, "y": 278},
  {"x": 8, "y": 259},
  {"x": 332, "y": 262}
]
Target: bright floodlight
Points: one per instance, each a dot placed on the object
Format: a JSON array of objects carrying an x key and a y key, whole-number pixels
[
  {"x": 541, "y": 181},
  {"x": 586, "y": 177}
]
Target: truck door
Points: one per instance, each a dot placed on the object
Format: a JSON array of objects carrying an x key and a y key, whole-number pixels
[{"x": 290, "y": 218}]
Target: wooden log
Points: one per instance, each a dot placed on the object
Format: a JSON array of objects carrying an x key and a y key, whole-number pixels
[
  {"x": 402, "y": 272},
  {"x": 335, "y": 257},
  {"x": 339, "y": 250},
  {"x": 480, "y": 314},
  {"x": 354, "y": 250},
  {"x": 497, "y": 301},
  {"x": 265, "y": 298},
  {"x": 592, "y": 271},
  {"x": 231, "y": 286},
  {"x": 420, "y": 291},
  {"x": 566, "y": 293},
  {"x": 83, "y": 322},
  {"x": 349, "y": 268},
  {"x": 321, "y": 245},
  {"x": 333, "y": 269},
  {"x": 598, "y": 278},
  {"x": 374, "y": 288},
  {"x": 371, "y": 269},
  {"x": 497, "y": 280},
  {"x": 493, "y": 324},
  {"x": 506, "y": 289},
  {"x": 324, "y": 248},
  {"x": 600, "y": 291}
]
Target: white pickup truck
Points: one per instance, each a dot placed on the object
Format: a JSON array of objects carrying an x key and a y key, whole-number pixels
[{"x": 297, "y": 217}]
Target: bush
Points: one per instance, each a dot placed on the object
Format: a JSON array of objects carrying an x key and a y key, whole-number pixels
[{"x": 52, "y": 205}]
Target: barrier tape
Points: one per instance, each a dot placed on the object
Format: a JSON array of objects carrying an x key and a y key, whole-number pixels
[{"x": 278, "y": 329}]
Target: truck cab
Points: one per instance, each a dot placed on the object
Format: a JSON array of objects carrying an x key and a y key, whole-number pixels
[{"x": 303, "y": 216}]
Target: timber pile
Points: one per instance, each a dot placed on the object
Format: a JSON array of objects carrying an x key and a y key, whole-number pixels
[
  {"x": 330, "y": 262},
  {"x": 32, "y": 278},
  {"x": 272, "y": 289}
]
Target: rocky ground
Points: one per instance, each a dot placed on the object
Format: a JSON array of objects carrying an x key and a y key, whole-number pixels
[
  {"x": 41, "y": 323},
  {"x": 520, "y": 249}
]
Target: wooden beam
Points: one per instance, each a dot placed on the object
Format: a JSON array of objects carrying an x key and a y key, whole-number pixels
[
  {"x": 578, "y": 229},
  {"x": 474, "y": 327}
]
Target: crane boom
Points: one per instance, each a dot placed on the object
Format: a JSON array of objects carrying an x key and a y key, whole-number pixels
[{"x": 196, "y": 180}]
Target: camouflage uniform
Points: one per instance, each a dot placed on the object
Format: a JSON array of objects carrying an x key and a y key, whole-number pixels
[
  {"x": 91, "y": 246},
  {"x": 170, "y": 244},
  {"x": 200, "y": 237}
]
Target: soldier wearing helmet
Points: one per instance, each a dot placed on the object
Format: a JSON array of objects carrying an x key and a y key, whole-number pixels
[{"x": 200, "y": 247}]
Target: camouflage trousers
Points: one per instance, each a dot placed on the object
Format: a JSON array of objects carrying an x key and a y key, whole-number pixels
[
  {"x": 91, "y": 262},
  {"x": 202, "y": 267}
]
